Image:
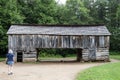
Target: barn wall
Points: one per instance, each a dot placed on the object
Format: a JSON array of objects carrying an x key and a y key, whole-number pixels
[
  {"x": 31, "y": 56},
  {"x": 30, "y": 42},
  {"x": 101, "y": 54},
  {"x": 94, "y": 47},
  {"x": 100, "y": 51}
]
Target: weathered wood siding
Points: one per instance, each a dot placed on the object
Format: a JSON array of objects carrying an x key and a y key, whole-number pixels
[
  {"x": 31, "y": 42},
  {"x": 98, "y": 49},
  {"x": 94, "y": 47}
]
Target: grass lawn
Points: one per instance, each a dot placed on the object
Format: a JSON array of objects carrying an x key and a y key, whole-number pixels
[
  {"x": 109, "y": 71},
  {"x": 115, "y": 56},
  {"x": 2, "y": 59}
]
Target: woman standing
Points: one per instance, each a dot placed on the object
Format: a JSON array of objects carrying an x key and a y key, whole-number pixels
[{"x": 10, "y": 61}]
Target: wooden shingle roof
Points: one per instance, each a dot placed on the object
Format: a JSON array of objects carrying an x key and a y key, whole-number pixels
[{"x": 59, "y": 29}]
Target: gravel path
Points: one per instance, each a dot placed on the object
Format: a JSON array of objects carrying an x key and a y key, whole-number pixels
[{"x": 45, "y": 71}]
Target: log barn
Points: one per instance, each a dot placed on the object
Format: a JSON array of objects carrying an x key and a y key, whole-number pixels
[{"x": 90, "y": 41}]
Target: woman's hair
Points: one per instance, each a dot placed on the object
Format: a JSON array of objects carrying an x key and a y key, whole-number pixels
[{"x": 10, "y": 51}]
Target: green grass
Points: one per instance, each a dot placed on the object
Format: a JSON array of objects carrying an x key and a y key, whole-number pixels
[
  {"x": 55, "y": 58},
  {"x": 51, "y": 56},
  {"x": 109, "y": 71},
  {"x": 115, "y": 56},
  {"x": 2, "y": 59}
]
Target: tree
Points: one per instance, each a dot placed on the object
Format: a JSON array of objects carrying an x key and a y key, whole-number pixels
[
  {"x": 62, "y": 14},
  {"x": 115, "y": 31},
  {"x": 38, "y": 11},
  {"x": 9, "y": 14},
  {"x": 113, "y": 5},
  {"x": 77, "y": 13},
  {"x": 98, "y": 10},
  {"x": 115, "y": 39},
  {"x": 118, "y": 16}
]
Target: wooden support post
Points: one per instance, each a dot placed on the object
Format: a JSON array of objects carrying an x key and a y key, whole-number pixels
[
  {"x": 79, "y": 54},
  {"x": 38, "y": 54}
]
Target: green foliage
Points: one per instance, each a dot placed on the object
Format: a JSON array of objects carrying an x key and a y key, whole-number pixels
[
  {"x": 113, "y": 6},
  {"x": 3, "y": 39},
  {"x": 114, "y": 53},
  {"x": 78, "y": 13},
  {"x": 47, "y": 53},
  {"x": 105, "y": 72},
  {"x": 57, "y": 52},
  {"x": 115, "y": 40},
  {"x": 61, "y": 15},
  {"x": 97, "y": 10},
  {"x": 2, "y": 59},
  {"x": 38, "y": 11},
  {"x": 118, "y": 16},
  {"x": 9, "y": 14}
]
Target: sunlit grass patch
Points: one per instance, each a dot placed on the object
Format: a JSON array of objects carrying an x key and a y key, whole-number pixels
[{"x": 109, "y": 71}]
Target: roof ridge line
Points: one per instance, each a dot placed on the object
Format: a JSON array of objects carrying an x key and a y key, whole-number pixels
[{"x": 60, "y": 25}]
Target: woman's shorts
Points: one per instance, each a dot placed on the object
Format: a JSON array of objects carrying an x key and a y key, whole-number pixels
[{"x": 10, "y": 63}]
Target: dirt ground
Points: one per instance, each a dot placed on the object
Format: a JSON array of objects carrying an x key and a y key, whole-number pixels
[{"x": 45, "y": 70}]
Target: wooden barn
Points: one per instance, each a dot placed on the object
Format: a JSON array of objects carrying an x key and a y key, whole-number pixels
[{"x": 90, "y": 41}]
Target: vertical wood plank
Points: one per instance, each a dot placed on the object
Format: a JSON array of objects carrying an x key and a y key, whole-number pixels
[{"x": 101, "y": 41}]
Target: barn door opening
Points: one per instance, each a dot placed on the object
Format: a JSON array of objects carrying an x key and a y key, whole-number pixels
[
  {"x": 19, "y": 57},
  {"x": 57, "y": 55},
  {"x": 79, "y": 54}
]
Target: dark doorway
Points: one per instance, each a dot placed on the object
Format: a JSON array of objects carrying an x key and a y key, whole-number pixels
[
  {"x": 19, "y": 57},
  {"x": 79, "y": 54}
]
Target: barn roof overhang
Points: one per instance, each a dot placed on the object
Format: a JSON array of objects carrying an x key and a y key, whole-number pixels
[{"x": 58, "y": 30}]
